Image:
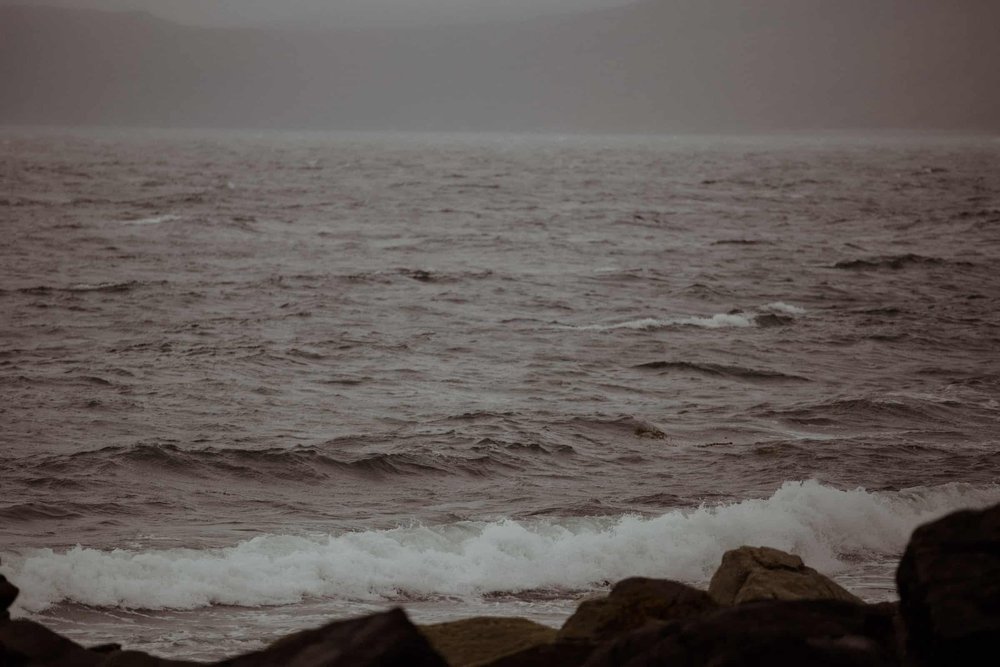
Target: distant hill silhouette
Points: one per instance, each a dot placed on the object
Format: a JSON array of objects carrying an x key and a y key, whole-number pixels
[{"x": 657, "y": 66}]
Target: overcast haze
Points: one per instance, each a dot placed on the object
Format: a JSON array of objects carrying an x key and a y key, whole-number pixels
[
  {"x": 646, "y": 66},
  {"x": 335, "y": 12}
]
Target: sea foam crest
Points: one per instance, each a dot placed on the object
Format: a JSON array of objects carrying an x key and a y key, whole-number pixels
[
  {"x": 645, "y": 324},
  {"x": 820, "y": 523}
]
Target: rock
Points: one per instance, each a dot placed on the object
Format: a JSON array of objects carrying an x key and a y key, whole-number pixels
[
  {"x": 477, "y": 640},
  {"x": 381, "y": 640},
  {"x": 140, "y": 659},
  {"x": 631, "y": 604},
  {"x": 28, "y": 643},
  {"x": 818, "y": 633},
  {"x": 556, "y": 654},
  {"x": 8, "y": 593},
  {"x": 949, "y": 589},
  {"x": 763, "y": 573}
]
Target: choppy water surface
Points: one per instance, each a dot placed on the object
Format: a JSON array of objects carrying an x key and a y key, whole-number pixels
[{"x": 253, "y": 381}]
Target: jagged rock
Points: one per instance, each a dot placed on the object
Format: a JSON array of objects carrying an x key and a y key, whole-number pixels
[
  {"x": 949, "y": 589},
  {"x": 8, "y": 593},
  {"x": 818, "y": 633},
  {"x": 763, "y": 573},
  {"x": 631, "y": 604},
  {"x": 388, "y": 639},
  {"x": 28, "y": 643},
  {"x": 473, "y": 641}
]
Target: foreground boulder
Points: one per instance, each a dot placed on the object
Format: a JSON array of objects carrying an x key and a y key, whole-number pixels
[
  {"x": 388, "y": 639},
  {"x": 818, "y": 633},
  {"x": 763, "y": 573},
  {"x": 474, "y": 641},
  {"x": 949, "y": 589},
  {"x": 28, "y": 643},
  {"x": 631, "y": 604},
  {"x": 8, "y": 593}
]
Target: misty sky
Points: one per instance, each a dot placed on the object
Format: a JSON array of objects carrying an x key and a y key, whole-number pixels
[
  {"x": 334, "y": 12},
  {"x": 644, "y": 66}
]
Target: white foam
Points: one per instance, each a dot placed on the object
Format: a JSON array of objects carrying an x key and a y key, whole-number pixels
[
  {"x": 719, "y": 321},
  {"x": 155, "y": 220},
  {"x": 820, "y": 523},
  {"x": 646, "y": 324},
  {"x": 787, "y": 308}
]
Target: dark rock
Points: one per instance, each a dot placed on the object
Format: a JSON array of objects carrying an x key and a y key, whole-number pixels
[
  {"x": 476, "y": 640},
  {"x": 380, "y": 640},
  {"x": 140, "y": 659},
  {"x": 631, "y": 604},
  {"x": 776, "y": 633},
  {"x": 8, "y": 593},
  {"x": 949, "y": 589},
  {"x": 763, "y": 573},
  {"x": 556, "y": 654},
  {"x": 28, "y": 643}
]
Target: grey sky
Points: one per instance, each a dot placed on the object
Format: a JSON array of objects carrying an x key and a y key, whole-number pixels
[
  {"x": 650, "y": 66},
  {"x": 334, "y": 12}
]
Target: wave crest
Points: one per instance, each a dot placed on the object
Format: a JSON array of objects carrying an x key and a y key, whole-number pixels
[{"x": 820, "y": 523}]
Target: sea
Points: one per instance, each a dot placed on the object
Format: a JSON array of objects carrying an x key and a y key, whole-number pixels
[{"x": 255, "y": 381}]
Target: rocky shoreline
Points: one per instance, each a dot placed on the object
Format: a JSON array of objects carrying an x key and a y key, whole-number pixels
[{"x": 763, "y": 606}]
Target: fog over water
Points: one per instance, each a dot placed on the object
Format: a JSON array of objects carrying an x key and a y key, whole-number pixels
[{"x": 648, "y": 66}]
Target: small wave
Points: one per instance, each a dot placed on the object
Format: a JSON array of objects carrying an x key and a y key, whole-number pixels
[
  {"x": 879, "y": 411},
  {"x": 787, "y": 308},
  {"x": 153, "y": 220},
  {"x": 718, "y": 321},
  {"x": 894, "y": 262},
  {"x": 720, "y": 370},
  {"x": 123, "y": 286},
  {"x": 777, "y": 313},
  {"x": 306, "y": 464},
  {"x": 826, "y": 526},
  {"x": 740, "y": 242}
]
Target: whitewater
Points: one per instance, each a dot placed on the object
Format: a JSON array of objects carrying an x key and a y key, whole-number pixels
[{"x": 254, "y": 381}]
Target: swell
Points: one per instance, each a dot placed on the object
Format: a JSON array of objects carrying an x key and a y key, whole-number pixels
[
  {"x": 897, "y": 262},
  {"x": 301, "y": 463},
  {"x": 888, "y": 410},
  {"x": 721, "y": 370},
  {"x": 827, "y": 526}
]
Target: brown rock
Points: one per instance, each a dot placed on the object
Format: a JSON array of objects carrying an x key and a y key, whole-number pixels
[
  {"x": 763, "y": 573},
  {"x": 817, "y": 633},
  {"x": 479, "y": 640},
  {"x": 388, "y": 639},
  {"x": 631, "y": 604},
  {"x": 949, "y": 589}
]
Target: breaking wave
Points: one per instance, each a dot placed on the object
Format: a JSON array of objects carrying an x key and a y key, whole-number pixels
[{"x": 824, "y": 525}]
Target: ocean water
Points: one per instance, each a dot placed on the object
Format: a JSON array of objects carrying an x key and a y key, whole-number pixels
[{"x": 251, "y": 382}]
